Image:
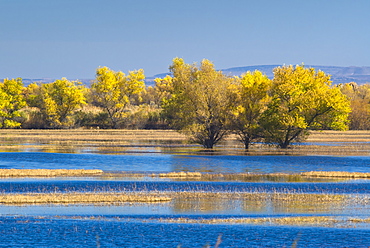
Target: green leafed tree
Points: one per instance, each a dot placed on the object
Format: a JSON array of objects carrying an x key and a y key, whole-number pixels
[
  {"x": 200, "y": 101},
  {"x": 114, "y": 91},
  {"x": 11, "y": 102},
  {"x": 252, "y": 100},
  {"x": 59, "y": 100},
  {"x": 302, "y": 99}
]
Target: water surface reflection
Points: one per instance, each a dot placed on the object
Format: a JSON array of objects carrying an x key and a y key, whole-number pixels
[{"x": 156, "y": 162}]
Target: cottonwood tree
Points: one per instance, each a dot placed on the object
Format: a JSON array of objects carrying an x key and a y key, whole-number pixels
[
  {"x": 33, "y": 95},
  {"x": 11, "y": 102},
  {"x": 252, "y": 100},
  {"x": 59, "y": 100},
  {"x": 200, "y": 101},
  {"x": 302, "y": 99},
  {"x": 114, "y": 91},
  {"x": 153, "y": 95},
  {"x": 359, "y": 96}
]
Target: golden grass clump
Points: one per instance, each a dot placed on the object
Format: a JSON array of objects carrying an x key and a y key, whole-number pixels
[
  {"x": 294, "y": 221},
  {"x": 47, "y": 172},
  {"x": 74, "y": 198},
  {"x": 335, "y": 174},
  {"x": 180, "y": 174},
  {"x": 262, "y": 196}
]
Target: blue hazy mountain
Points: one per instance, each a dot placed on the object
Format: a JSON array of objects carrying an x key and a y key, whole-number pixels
[{"x": 339, "y": 74}]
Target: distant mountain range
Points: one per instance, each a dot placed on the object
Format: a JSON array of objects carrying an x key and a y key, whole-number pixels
[{"x": 339, "y": 74}]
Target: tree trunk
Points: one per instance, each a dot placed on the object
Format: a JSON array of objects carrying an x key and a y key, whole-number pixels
[
  {"x": 208, "y": 143},
  {"x": 284, "y": 145},
  {"x": 246, "y": 144}
]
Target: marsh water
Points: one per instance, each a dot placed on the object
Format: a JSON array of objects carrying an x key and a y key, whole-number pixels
[{"x": 146, "y": 225}]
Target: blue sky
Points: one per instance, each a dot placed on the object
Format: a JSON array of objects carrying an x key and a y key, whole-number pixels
[{"x": 71, "y": 38}]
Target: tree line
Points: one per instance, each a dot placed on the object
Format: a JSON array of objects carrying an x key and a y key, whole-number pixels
[{"x": 195, "y": 99}]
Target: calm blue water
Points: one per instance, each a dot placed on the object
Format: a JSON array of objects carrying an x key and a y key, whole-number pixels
[
  {"x": 134, "y": 225},
  {"x": 158, "y": 162},
  {"x": 33, "y": 232}
]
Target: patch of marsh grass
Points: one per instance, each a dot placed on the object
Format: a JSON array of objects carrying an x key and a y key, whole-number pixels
[
  {"x": 180, "y": 174},
  {"x": 311, "y": 176},
  {"x": 336, "y": 174},
  {"x": 76, "y": 198},
  {"x": 291, "y": 221},
  {"x": 48, "y": 172}
]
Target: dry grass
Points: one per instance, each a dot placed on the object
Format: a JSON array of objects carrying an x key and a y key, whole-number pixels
[
  {"x": 304, "y": 176},
  {"x": 180, "y": 174},
  {"x": 261, "y": 196},
  {"x": 336, "y": 174},
  {"x": 75, "y": 198},
  {"x": 341, "y": 142},
  {"x": 254, "y": 177},
  {"x": 297, "y": 221},
  {"x": 88, "y": 135},
  {"x": 262, "y": 202},
  {"x": 114, "y": 197},
  {"x": 339, "y": 136},
  {"x": 47, "y": 173}
]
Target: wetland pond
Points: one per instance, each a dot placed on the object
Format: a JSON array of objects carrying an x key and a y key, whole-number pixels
[{"x": 261, "y": 212}]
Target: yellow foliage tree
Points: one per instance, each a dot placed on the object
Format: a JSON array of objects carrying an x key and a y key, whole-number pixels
[
  {"x": 59, "y": 100},
  {"x": 200, "y": 101},
  {"x": 163, "y": 88},
  {"x": 33, "y": 96},
  {"x": 11, "y": 102},
  {"x": 114, "y": 91},
  {"x": 302, "y": 99},
  {"x": 252, "y": 100},
  {"x": 359, "y": 96}
]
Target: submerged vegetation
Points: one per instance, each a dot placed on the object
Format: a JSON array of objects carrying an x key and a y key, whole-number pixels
[{"x": 312, "y": 221}]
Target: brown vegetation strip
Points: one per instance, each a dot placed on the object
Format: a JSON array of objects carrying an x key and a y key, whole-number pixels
[
  {"x": 179, "y": 175},
  {"x": 47, "y": 172},
  {"x": 317, "y": 221},
  {"x": 336, "y": 174},
  {"x": 86, "y": 135},
  {"x": 274, "y": 197},
  {"x": 296, "y": 221},
  {"x": 74, "y": 198},
  {"x": 117, "y": 197},
  {"x": 267, "y": 176}
]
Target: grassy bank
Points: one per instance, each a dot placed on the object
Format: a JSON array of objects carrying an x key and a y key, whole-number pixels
[
  {"x": 128, "y": 135},
  {"x": 325, "y": 142}
]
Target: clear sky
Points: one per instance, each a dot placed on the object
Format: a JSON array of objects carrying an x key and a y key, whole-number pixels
[{"x": 71, "y": 38}]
